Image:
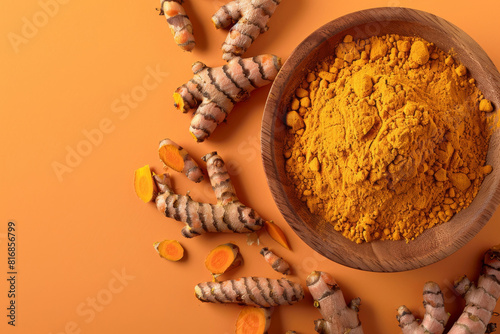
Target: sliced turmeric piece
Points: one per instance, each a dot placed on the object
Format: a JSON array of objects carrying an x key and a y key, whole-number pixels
[
  {"x": 177, "y": 158},
  {"x": 169, "y": 249},
  {"x": 276, "y": 233},
  {"x": 223, "y": 258},
  {"x": 145, "y": 186},
  {"x": 253, "y": 320}
]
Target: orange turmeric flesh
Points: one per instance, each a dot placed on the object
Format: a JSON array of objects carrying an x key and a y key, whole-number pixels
[
  {"x": 253, "y": 320},
  {"x": 170, "y": 250},
  {"x": 171, "y": 156},
  {"x": 177, "y": 158},
  {"x": 144, "y": 185},
  {"x": 223, "y": 258},
  {"x": 179, "y": 102},
  {"x": 276, "y": 233}
]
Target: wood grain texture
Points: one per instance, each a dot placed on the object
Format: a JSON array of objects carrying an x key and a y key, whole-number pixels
[{"x": 385, "y": 256}]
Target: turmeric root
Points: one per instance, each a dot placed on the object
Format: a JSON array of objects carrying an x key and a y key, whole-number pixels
[
  {"x": 144, "y": 185},
  {"x": 276, "y": 262},
  {"x": 276, "y": 233},
  {"x": 179, "y": 23},
  {"x": 223, "y": 258},
  {"x": 254, "y": 320},
  {"x": 248, "y": 19},
  {"x": 251, "y": 291},
  {"x": 177, "y": 158},
  {"x": 328, "y": 298},
  {"x": 435, "y": 317},
  {"x": 228, "y": 215},
  {"x": 481, "y": 299},
  {"x": 480, "y": 303},
  {"x": 169, "y": 249},
  {"x": 213, "y": 91}
]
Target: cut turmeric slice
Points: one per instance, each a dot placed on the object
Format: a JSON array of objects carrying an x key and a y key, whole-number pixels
[
  {"x": 177, "y": 158},
  {"x": 223, "y": 258},
  {"x": 144, "y": 185},
  {"x": 253, "y": 320},
  {"x": 169, "y": 249},
  {"x": 276, "y": 233}
]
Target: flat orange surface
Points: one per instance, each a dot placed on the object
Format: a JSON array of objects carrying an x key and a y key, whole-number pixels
[{"x": 86, "y": 95}]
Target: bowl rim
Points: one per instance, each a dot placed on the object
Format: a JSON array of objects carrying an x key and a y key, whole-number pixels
[{"x": 269, "y": 118}]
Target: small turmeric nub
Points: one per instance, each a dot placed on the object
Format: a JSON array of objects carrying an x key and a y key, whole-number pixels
[
  {"x": 144, "y": 185},
  {"x": 223, "y": 258},
  {"x": 277, "y": 234},
  {"x": 276, "y": 262},
  {"x": 170, "y": 250},
  {"x": 253, "y": 320},
  {"x": 179, "y": 23}
]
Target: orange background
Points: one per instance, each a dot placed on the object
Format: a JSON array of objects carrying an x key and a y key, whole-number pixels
[{"x": 77, "y": 76}]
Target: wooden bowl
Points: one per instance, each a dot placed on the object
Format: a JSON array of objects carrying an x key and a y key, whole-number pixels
[{"x": 434, "y": 244}]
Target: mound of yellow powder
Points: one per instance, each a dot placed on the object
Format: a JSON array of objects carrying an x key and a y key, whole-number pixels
[{"x": 387, "y": 138}]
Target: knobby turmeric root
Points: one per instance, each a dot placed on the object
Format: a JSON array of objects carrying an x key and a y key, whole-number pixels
[
  {"x": 480, "y": 303},
  {"x": 276, "y": 262},
  {"x": 248, "y": 19},
  {"x": 251, "y": 291},
  {"x": 179, "y": 23},
  {"x": 223, "y": 258},
  {"x": 213, "y": 91},
  {"x": 144, "y": 185},
  {"x": 277, "y": 234},
  {"x": 228, "y": 215},
  {"x": 328, "y": 298},
  {"x": 435, "y": 317},
  {"x": 169, "y": 249},
  {"x": 254, "y": 320},
  {"x": 480, "y": 300},
  {"x": 177, "y": 158}
]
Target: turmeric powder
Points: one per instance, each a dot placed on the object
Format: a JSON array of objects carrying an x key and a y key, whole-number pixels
[{"x": 391, "y": 141}]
